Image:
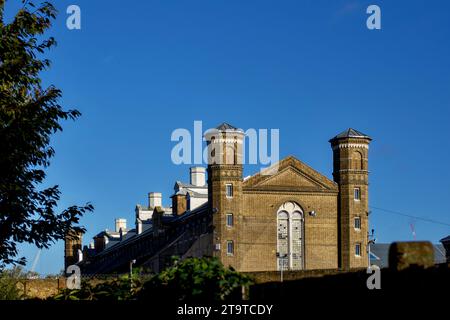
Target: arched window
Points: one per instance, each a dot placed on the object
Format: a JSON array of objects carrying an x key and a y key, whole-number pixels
[
  {"x": 290, "y": 229},
  {"x": 357, "y": 161},
  {"x": 230, "y": 154}
]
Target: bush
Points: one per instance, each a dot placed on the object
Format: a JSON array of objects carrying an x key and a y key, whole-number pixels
[
  {"x": 9, "y": 284},
  {"x": 203, "y": 279},
  {"x": 122, "y": 288}
]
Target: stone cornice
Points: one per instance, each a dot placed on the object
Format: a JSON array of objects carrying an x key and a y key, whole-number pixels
[{"x": 351, "y": 145}]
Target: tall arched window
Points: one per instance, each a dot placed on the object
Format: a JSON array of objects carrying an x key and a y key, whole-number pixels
[{"x": 290, "y": 229}]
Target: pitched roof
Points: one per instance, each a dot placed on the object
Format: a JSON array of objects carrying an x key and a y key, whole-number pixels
[
  {"x": 316, "y": 178},
  {"x": 351, "y": 133},
  {"x": 226, "y": 126},
  {"x": 446, "y": 239},
  {"x": 180, "y": 184}
]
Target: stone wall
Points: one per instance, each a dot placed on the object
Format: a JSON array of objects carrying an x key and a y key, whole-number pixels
[
  {"x": 41, "y": 288},
  {"x": 275, "y": 276}
]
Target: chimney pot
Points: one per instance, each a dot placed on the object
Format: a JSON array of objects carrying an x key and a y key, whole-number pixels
[
  {"x": 121, "y": 224},
  {"x": 154, "y": 199},
  {"x": 198, "y": 176}
]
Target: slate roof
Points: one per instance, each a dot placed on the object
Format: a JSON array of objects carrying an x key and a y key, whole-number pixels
[
  {"x": 133, "y": 236},
  {"x": 180, "y": 184},
  {"x": 182, "y": 188},
  {"x": 226, "y": 126},
  {"x": 351, "y": 133},
  {"x": 167, "y": 210}
]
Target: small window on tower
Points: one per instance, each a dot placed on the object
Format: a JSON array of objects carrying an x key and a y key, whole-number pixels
[
  {"x": 229, "y": 190},
  {"x": 230, "y": 220},
  {"x": 357, "y": 194},
  {"x": 358, "y": 250},
  {"x": 358, "y": 223},
  {"x": 230, "y": 247}
]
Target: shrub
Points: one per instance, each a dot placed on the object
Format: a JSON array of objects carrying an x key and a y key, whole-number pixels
[
  {"x": 122, "y": 288},
  {"x": 199, "y": 279},
  {"x": 9, "y": 284},
  {"x": 203, "y": 279}
]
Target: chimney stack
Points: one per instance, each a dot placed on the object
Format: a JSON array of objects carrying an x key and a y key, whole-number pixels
[
  {"x": 154, "y": 199},
  {"x": 121, "y": 224},
  {"x": 198, "y": 176}
]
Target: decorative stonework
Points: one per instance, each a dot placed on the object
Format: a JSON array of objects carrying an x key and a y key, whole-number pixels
[
  {"x": 226, "y": 141},
  {"x": 351, "y": 145}
]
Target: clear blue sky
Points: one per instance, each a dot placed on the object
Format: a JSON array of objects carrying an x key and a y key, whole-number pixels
[{"x": 140, "y": 69}]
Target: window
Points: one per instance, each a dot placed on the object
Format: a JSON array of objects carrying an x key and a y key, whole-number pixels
[
  {"x": 358, "y": 250},
  {"x": 358, "y": 223},
  {"x": 357, "y": 194},
  {"x": 230, "y": 247},
  {"x": 290, "y": 237},
  {"x": 229, "y": 190},
  {"x": 230, "y": 221},
  {"x": 357, "y": 161}
]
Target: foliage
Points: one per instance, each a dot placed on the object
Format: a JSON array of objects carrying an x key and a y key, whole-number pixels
[
  {"x": 122, "y": 288},
  {"x": 200, "y": 279},
  {"x": 29, "y": 116},
  {"x": 9, "y": 284},
  {"x": 197, "y": 279}
]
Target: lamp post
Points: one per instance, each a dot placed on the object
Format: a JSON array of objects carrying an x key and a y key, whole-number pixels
[{"x": 370, "y": 241}]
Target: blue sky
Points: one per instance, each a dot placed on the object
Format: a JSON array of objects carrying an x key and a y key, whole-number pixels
[{"x": 309, "y": 68}]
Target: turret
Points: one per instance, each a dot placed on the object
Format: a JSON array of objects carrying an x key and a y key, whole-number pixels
[
  {"x": 225, "y": 167},
  {"x": 350, "y": 171}
]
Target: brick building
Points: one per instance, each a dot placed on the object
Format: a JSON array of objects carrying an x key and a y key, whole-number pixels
[{"x": 288, "y": 216}]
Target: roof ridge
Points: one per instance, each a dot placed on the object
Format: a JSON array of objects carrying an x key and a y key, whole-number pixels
[
  {"x": 226, "y": 126},
  {"x": 351, "y": 133}
]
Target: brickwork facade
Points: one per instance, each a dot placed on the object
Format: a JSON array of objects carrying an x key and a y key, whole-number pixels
[
  {"x": 333, "y": 230},
  {"x": 289, "y": 217}
]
